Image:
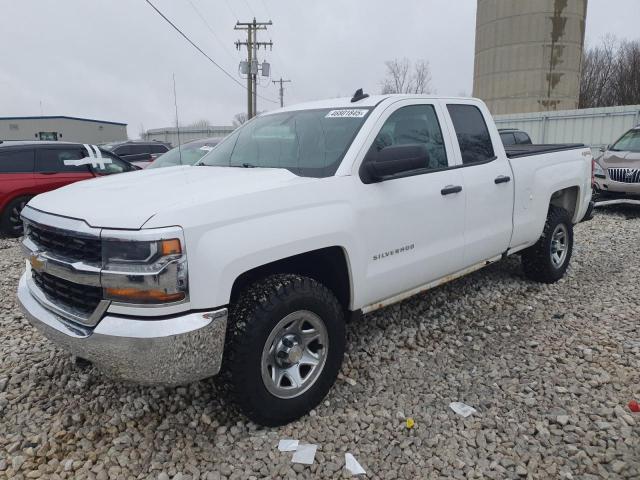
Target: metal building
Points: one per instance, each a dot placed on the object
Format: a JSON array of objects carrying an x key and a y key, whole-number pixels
[
  {"x": 528, "y": 54},
  {"x": 596, "y": 127},
  {"x": 68, "y": 129},
  {"x": 186, "y": 134}
]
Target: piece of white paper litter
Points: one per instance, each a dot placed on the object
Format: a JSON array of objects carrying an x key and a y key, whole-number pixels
[
  {"x": 462, "y": 409},
  {"x": 352, "y": 465},
  {"x": 305, "y": 454},
  {"x": 287, "y": 445}
]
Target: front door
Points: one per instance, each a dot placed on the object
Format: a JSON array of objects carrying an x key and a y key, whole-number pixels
[{"x": 412, "y": 226}]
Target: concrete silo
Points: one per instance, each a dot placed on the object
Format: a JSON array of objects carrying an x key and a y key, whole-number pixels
[{"x": 529, "y": 54}]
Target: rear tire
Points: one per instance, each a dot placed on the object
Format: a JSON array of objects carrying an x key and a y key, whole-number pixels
[
  {"x": 284, "y": 348},
  {"x": 548, "y": 260},
  {"x": 10, "y": 221}
]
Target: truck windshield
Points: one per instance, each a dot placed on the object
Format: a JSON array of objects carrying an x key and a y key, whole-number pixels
[
  {"x": 629, "y": 142},
  {"x": 309, "y": 143}
]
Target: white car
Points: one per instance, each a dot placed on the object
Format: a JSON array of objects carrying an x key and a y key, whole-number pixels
[{"x": 248, "y": 263}]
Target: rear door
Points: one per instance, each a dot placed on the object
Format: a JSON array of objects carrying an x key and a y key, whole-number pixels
[
  {"x": 51, "y": 172},
  {"x": 488, "y": 183},
  {"x": 412, "y": 228}
]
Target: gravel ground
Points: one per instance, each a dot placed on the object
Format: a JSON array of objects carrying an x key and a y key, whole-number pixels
[{"x": 550, "y": 370}]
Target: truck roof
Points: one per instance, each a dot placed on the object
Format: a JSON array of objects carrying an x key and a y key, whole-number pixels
[{"x": 370, "y": 101}]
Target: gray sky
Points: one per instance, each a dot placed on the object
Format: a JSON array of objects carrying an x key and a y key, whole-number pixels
[{"x": 114, "y": 59}]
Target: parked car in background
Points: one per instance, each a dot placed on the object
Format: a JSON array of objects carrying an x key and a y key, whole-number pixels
[
  {"x": 30, "y": 168},
  {"x": 514, "y": 136},
  {"x": 186, "y": 154},
  {"x": 141, "y": 154},
  {"x": 617, "y": 170},
  {"x": 252, "y": 261}
]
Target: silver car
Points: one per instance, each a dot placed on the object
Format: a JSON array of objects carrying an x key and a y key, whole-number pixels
[{"x": 617, "y": 170}]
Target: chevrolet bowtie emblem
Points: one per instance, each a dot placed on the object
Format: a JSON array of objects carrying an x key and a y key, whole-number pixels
[{"x": 36, "y": 262}]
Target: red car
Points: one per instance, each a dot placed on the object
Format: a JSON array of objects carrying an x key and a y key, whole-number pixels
[{"x": 30, "y": 168}]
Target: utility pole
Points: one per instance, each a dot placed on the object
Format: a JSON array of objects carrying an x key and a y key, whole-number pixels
[
  {"x": 251, "y": 66},
  {"x": 281, "y": 81}
]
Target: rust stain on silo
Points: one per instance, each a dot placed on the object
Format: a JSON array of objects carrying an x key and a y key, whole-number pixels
[{"x": 558, "y": 28}]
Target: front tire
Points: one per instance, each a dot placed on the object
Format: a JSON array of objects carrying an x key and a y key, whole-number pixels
[
  {"x": 284, "y": 348},
  {"x": 548, "y": 260},
  {"x": 10, "y": 221}
]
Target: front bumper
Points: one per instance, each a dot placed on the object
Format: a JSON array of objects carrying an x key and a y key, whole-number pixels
[
  {"x": 606, "y": 185},
  {"x": 168, "y": 351}
]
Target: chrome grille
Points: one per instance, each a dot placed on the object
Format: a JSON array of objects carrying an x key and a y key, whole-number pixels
[
  {"x": 81, "y": 249},
  {"x": 625, "y": 175},
  {"x": 78, "y": 297}
]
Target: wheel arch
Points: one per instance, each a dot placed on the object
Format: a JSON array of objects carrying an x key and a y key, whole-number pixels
[
  {"x": 329, "y": 266},
  {"x": 567, "y": 198}
]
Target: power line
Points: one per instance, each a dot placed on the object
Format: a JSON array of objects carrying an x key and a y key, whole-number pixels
[
  {"x": 231, "y": 9},
  {"x": 210, "y": 28},
  {"x": 235, "y": 80},
  {"x": 264, "y": 4},
  {"x": 249, "y": 7}
]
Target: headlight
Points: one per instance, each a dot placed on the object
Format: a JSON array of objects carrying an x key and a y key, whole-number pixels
[
  {"x": 144, "y": 271},
  {"x": 598, "y": 171},
  {"x": 132, "y": 252}
]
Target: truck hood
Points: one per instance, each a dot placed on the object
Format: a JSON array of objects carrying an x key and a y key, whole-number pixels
[{"x": 129, "y": 200}]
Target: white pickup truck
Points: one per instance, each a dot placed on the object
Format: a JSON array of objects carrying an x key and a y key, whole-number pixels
[{"x": 248, "y": 263}]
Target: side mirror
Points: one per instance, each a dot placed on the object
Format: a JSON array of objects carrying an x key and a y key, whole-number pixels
[{"x": 392, "y": 161}]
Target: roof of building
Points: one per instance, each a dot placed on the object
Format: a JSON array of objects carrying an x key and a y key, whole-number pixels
[
  {"x": 210, "y": 128},
  {"x": 63, "y": 116}
]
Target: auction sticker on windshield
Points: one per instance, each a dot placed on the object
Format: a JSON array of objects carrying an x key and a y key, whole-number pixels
[{"x": 346, "y": 113}]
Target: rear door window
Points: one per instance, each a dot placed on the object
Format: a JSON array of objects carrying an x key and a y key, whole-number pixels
[
  {"x": 51, "y": 160},
  {"x": 17, "y": 161},
  {"x": 507, "y": 139},
  {"x": 472, "y": 132}
]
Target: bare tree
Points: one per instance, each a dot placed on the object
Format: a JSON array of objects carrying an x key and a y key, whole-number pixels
[
  {"x": 403, "y": 77},
  {"x": 610, "y": 74},
  {"x": 240, "y": 118},
  {"x": 627, "y": 87}
]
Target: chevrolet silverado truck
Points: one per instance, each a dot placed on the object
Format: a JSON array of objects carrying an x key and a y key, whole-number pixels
[{"x": 247, "y": 264}]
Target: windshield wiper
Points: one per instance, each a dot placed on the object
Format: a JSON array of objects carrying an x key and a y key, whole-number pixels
[{"x": 242, "y": 165}]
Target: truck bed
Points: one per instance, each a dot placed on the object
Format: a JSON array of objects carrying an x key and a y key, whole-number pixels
[{"x": 515, "y": 151}]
